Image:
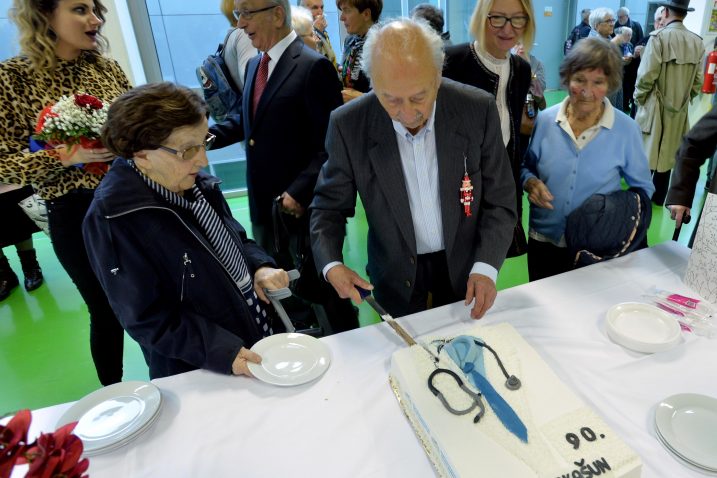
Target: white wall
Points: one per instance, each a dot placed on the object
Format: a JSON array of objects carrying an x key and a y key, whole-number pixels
[
  {"x": 123, "y": 44},
  {"x": 694, "y": 20}
]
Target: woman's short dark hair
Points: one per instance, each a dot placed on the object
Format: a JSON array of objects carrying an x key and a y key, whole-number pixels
[
  {"x": 593, "y": 54},
  {"x": 145, "y": 116},
  {"x": 376, "y": 6}
]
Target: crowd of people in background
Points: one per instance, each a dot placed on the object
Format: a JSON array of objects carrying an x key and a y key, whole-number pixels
[{"x": 438, "y": 140}]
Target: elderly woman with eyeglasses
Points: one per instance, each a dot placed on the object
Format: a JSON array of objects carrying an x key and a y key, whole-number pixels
[
  {"x": 580, "y": 147},
  {"x": 179, "y": 271},
  {"x": 487, "y": 63}
]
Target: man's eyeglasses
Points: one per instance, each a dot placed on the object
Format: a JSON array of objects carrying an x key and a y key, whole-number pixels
[
  {"x": 499, "y": 21},
  {"x": 191, "y": 152},
  {"x": 608, "y": 20},
  {"x": 249, "y": 14}
]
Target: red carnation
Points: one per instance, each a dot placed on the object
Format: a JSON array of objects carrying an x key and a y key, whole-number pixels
[
  {"x": 85, "y": 100},
  {"x": 44, "y": 114}
]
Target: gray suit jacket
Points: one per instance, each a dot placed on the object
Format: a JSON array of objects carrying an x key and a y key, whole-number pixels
[{"x": 364, "y": 158}]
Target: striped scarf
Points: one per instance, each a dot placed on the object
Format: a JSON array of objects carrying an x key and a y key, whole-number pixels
[{"x": 229, "y": 252}]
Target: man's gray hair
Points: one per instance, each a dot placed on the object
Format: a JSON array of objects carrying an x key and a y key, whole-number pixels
[
  {"x": 659, "y": 11},
  {"x": 623, "y": 11},
  {"x": 417, "y": 34},
  {"x": 284, "y": 4},
  {"x": 599, "y": 15}
]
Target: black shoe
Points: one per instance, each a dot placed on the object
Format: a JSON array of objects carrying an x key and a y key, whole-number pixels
[
  {"x": 33, "y": 279},
  {"x": 8, "y": 279},
  {"x": 31, "y": 269}
]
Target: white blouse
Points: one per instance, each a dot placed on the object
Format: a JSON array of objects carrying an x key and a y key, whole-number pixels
[{"x": 500, "y": 67}]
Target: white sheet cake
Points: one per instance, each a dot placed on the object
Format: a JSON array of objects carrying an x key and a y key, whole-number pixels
[{"x": 565, "y": 437}]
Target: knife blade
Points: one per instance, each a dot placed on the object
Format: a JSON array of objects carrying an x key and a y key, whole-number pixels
[{"x": 385, "y": 316}]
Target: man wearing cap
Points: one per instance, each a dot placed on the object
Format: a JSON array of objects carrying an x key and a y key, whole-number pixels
[{"x": 669, "y": 76}]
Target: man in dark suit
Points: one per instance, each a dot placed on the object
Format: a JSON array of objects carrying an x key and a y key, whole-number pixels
[
  {"x": 412, "y": 149},
  {"x": 290, "y": 91},
  {"x": 624, "y": 20},
  {"x": 697, "y": 146},
  {"x": 581, "y": 30},
  {"x": 630, "y": 70}
]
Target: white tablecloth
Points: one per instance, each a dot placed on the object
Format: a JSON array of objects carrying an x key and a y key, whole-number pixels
[{"x": 348, "y": 423}]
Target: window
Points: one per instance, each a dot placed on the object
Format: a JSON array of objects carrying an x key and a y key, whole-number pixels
[
  {"x": 181, "y": 35},
  {"x": 8, "y": 33}
]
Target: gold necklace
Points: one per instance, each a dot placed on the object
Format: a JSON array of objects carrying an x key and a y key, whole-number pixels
[{"x": 590, "y": 123}]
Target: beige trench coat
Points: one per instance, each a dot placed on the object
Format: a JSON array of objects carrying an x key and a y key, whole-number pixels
[{"x": 669, "y": 76}]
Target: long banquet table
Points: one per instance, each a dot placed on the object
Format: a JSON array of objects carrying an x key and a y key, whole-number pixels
[{"x": 349, "y": 424}]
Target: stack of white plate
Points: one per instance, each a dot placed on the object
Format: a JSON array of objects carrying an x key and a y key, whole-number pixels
[
  {"x": 686, "y": 425},
  {"x": 642, "y": 327},
  {"x": 113, "y": 416}
]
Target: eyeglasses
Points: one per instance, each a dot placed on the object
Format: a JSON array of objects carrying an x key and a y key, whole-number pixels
[
  {"x": 499, "y": 21},
  {"x": 608, "y": 20},
  {"x": 249, "y": 14},
  {"x": 191, "y": 152}
]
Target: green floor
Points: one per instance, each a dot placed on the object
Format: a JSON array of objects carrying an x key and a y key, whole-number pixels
[{"x": 44, "y": 345}]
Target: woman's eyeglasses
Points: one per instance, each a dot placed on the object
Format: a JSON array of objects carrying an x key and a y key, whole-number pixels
[
  {"x": 249, "y": 14},
  {"x": 188, "y": 154},
  {"x": 499, "y": 21}
]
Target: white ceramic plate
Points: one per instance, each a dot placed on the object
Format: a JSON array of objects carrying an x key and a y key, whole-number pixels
[
  {"x": 124, "y": 441},
  {"x": 111, "y": 415},
  {"x": 642, "y": 327},
  {"x": 687, "y": 423},
  {"x": 685, "y": 461},
  {"x": 290, "y": 359}
]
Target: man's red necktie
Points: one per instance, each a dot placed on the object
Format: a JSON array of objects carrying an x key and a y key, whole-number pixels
[{"x": 262, "y": 76}]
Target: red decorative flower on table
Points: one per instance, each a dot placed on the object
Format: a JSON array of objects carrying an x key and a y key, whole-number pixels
[
  {"x": 74, "y": 121},
  {"x": 13, "y": 439},
  {"x": 52, "y": 455}
]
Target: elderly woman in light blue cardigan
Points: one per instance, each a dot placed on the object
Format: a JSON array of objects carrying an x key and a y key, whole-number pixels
[{"x": 580, "y": 147}]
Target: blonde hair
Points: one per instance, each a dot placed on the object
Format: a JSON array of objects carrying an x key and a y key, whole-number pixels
[
  {"x": 227, "y": 8},
  {"x": 479, "y": 19},
  {"x": 37, "y": 40}
]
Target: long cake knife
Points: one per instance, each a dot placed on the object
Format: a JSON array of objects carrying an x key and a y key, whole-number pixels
[{"x": 385, "y": 316}]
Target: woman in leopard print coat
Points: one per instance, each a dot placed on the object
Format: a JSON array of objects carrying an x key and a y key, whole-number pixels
[{"x": 61, "y": 54}]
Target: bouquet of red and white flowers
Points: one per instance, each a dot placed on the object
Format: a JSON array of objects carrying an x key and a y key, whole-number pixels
[
  {"x": 51, "y": 455},
  {"x": 74, "y": 121}
]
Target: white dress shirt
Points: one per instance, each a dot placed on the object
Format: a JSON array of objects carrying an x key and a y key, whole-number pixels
[
  {"x": 419, "y": 161},
  {"x": 277, "y": 50}
]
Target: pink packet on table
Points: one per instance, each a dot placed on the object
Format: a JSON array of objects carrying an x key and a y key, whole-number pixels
[{"x": 683, "y": 301}]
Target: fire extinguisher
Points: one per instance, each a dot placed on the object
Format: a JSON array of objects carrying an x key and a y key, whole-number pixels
[{"x": 708, "y": 85}]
